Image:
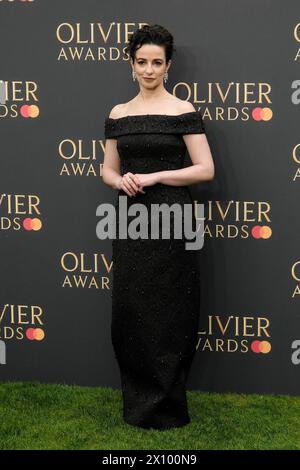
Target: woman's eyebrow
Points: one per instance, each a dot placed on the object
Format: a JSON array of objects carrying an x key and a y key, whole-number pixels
[{"x": 157, "y": 58}]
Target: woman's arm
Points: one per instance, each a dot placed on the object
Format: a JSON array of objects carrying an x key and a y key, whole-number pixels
[
  {"x": 111, "y": 168},
  {"x": 111, "y": 176},
  {"x": 111, "y": 165},
  {"x": 202, "y": 168}
]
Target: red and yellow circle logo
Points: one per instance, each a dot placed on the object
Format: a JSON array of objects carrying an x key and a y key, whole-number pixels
[
  {"x": 261, "y": 347},
  {"x": 35, "y": 334},
  {"x": 29, "y": 111}
]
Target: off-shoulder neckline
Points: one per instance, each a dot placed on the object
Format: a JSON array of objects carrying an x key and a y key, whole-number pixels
[{"x": 152, "y": 115}]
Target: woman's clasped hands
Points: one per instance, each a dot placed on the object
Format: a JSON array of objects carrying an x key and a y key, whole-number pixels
[{"x": 133, "y": 183}]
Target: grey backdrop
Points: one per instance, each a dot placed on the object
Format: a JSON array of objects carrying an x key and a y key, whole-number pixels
[{"x": 245, "y": 41}]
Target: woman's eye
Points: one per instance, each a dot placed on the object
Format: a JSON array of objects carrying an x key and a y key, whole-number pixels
[{"x": 157, "y": 63}]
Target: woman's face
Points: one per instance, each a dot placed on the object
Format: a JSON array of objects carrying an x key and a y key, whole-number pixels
[{"x": 150, "y": 64}]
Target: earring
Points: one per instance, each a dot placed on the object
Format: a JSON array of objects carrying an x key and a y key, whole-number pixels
[
  {"x": 166, "y": 77},
  {"x": 133, "y": 75}
]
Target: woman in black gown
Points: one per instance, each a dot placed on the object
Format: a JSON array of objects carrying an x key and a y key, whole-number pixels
[{"x": 156, "y": 282}]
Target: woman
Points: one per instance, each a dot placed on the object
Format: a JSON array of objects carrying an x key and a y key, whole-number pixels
[{"x": 156, "y": 282}]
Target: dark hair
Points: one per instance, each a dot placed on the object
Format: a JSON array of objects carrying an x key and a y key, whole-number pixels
[{"x": 150, "y": 34}]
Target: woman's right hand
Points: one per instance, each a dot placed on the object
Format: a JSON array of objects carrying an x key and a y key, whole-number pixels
[{"x": 130, "y": 183}]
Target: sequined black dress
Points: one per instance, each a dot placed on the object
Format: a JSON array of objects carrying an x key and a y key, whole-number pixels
[{"x": 156, "y": 283}]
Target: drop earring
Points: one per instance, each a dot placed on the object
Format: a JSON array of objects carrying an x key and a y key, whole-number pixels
[
  {"x": 133, "y": 75},
  {"x": 166, "y": 77}
]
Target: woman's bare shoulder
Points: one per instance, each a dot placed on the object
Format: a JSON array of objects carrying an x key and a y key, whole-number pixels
[
  {"x": 184, "y": 106},
  {"x": 117, "y": 111},
  {"x": 175, "y": 106},
  {"x": 179, "y": 106}
]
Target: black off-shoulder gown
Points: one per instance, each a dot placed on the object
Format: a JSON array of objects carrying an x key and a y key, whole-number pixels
[{"x": 156, "y": 282}]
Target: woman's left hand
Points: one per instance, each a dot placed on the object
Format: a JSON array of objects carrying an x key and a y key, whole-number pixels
[{"x": 147, "y": 179}]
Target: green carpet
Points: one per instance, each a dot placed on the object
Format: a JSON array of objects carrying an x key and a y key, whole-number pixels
[{"x": 38, "y": 416}]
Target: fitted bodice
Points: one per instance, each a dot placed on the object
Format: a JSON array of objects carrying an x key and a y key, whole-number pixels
[
  {"x": 152, "y": 142},
  {"x": 148, "y": 143}
]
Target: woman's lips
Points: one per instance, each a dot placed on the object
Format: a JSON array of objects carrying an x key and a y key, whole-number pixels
[{"x": 149, "y": 78}]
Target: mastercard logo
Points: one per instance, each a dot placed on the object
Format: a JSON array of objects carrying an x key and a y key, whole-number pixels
[
  {"x": 262, "y": 114},
  {"x": 35, "y": 334},
  {"x": 32, "y": 224},
  {"x": 29, "y": 111},
  {"x": 261, "y": 231},
  {"x": 261, "y": 347}
]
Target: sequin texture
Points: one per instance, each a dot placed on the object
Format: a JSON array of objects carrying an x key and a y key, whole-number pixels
[{"x": 156, "y": 283}]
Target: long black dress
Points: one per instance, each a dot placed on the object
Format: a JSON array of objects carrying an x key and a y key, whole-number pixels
[{"x": 156, "y": 282}]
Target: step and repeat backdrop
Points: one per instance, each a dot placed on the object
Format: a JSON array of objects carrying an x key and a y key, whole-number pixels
[{"x": 63, "y": 68}]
